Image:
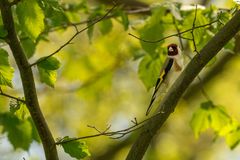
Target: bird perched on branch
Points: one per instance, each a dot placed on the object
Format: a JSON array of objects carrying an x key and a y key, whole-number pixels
[{"x": 172, "y": 67}]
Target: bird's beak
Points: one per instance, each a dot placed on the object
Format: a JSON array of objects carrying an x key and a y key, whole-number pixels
[{"x": 170, "y": 49}]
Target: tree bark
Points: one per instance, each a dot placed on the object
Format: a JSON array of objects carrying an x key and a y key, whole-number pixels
[
  {"x": 181, "y": 84},
  {"x": 27, "y": 82}
]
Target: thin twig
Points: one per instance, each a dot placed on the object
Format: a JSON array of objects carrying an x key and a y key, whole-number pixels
[
  {"x": 173, "y": 35},
  {"x": 9, "y": 96},
  {"x": 193, "y": 26},
  {"x": 114, "y": 134},
  {"x": 129, "y": 12},
  {"x": 178, "y": 31},
  {"x": 77, "y": 33},
  {"x": 196, "y": 50}
]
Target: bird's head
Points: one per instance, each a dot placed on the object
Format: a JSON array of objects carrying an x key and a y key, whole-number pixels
[{"x": 173, "y": 50}]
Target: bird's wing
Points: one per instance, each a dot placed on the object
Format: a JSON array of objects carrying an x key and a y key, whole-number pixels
[{"x": 163, "y": 73}]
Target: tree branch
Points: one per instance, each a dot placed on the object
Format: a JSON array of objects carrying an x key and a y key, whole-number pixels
[
  {"x": 111, "y": 134},
  {"x": 27, "y": 82},
  {"x": 11, "y": 97},
  {"x": 169, "y": 102}
]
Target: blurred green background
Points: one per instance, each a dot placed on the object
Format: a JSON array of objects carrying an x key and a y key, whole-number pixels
[{"x": 98, "y": 85}]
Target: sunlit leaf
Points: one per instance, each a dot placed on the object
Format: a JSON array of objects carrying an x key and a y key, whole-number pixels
[
  {"x": 48, "y": 77},
  {"x": 53, "y": 4},
  {"x": 230, "y": 127},
  {"x": 19, "y": 132},
  {"x": 224, "y": 17},
  {"x": 233, "y": 138},
  {"x": 219, "y": 118},
  {"x": 152, "y": 31},
  {"x": 50, "y": 63},
  {"x": 23, "y": 112},
  {"x": 48, "y": 70},
  {"x": 76, "y": 149},
  {"x": 31, "y": 18},
  {"x": 200, "y": 120},
  {"x": 6, "y": 71}
]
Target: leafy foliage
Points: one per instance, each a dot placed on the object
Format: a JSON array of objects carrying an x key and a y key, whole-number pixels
[
  {"x": 29, "y": 47},
  {"x": 153, "y": 30},
  {"x": 216, "y": 118},
  {"x": 19, "y": 109},
  {"x": 76, "y": 149},
  {"x": 37, "y": 18},
  {"x": 6, "y": 71},
  {"x": 48, "y": 70},
  {"x": 19, "y": 132},
  {"x": 31, "y": 18}
]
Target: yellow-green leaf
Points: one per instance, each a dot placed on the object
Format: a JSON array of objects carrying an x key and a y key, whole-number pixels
[
  {"x": 6, "y": 71},
  {"x": 200, "y": 121},
  {"x": 75, "y": 149},
  {"x": 48, "y": 70},
  {"x": 30, "y": 17}
]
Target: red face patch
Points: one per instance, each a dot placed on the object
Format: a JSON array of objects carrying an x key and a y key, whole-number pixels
[{"x": 172, "y": 49}]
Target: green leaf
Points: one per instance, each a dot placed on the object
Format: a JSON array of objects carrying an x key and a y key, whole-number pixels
[
  {"x": 105, "y": 26},
  {"x": 219, "y": 118},
  {"x": 200, "y": 120},
  {"x": 90, "y": 32},
  {"x": 224, "y": 17},
  {"x": 19, "y": 132},
  {"x": 231, "y": 132},
  {"x": 233, "y": 139},
  {"x": 3, "y": 31},
  {"x": 75, "y": 149},
  {"x": 51, "y": 4},
  {"x": 99, "y": 11},
  {"x": 55, "y": 17},
  {"x": 125, "y": 21},
  {"x": 31, "y": 18},
  {"x": 215, "y": 117},
  {"x": 152, "y": 31},
  {"x": 19, "y": 109},
  {"x": 22, "y": 113},
  {"x": 6, "y": 71},
  {"x": 148, "y": 70},
  {"x": 54, "y": 14},
  {"x": 29, "y": 47},
  {"x": 35, "y": 134},
  {"x": 48, "y": 70},
  {"x": 50, "y": 63},
  {"x": 48, "y": 77},
  {"x": 230, "y": 127}
]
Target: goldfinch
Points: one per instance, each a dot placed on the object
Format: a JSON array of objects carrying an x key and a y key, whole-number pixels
[{"x": 172, "y": 67}]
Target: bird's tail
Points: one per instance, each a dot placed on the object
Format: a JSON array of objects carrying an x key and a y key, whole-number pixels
[{"x": 158, "y": 84}]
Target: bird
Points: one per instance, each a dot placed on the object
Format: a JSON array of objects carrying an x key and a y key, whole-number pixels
[{"x": 172, "y": 67}]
